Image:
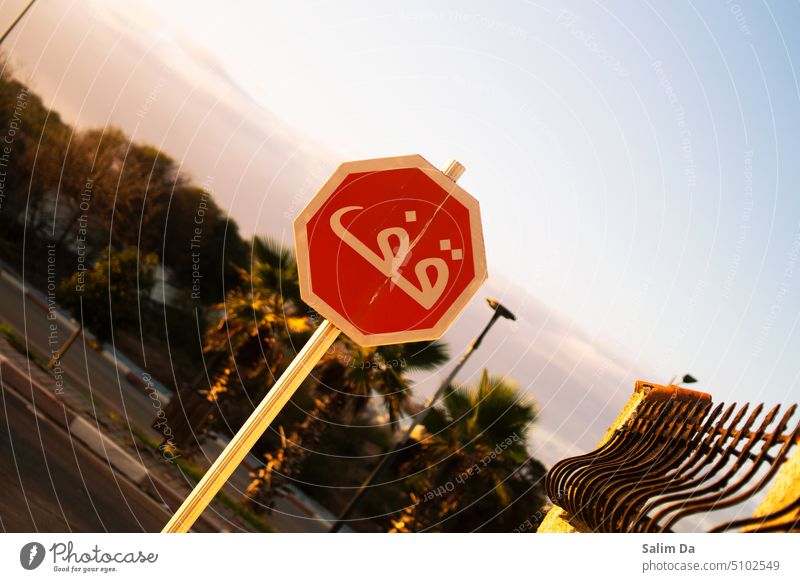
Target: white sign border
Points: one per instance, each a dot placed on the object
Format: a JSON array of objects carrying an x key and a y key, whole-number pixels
[{"x": 339, "y": 320}]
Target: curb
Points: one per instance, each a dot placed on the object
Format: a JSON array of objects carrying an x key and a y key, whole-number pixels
[
  {"x": 45, "y": 402},
  {"x": 41, "y": 398},
  {"x": 126, "y": 368},
  {"x": 37, "y": 299},
  {"x": 90, "y": 435}
]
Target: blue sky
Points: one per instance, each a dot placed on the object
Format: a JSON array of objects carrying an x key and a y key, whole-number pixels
[{"x": 636, "y": 163}]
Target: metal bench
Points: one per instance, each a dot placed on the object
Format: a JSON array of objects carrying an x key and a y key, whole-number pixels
[{"x": 672, "y": 454}]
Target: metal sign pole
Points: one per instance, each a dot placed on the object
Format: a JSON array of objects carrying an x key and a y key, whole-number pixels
[
  {"x": 253, "y": 428},
  {"x": 389, "y": 458},
  {"x": 442, "y": 219}
]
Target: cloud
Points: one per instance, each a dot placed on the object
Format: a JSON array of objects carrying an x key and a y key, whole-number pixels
[{"x": 110, "y": 64}]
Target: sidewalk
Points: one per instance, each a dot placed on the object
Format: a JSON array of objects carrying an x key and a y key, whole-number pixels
[
  {"x": 96, "y": 429},
  {"x": 127, "y": 369},
  {"x": 121, "y": 432}
]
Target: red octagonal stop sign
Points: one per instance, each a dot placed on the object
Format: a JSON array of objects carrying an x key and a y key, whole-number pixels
[{"x": 390, "y": 250}]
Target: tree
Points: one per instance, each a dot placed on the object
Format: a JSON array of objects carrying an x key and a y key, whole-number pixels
[
  {"x": 109, "y": 294},
  {"x": 253, "y": 341},
  {"x": 33, "y": 141},
  {"x": 246, "y": 351},
  {"x": 202, "y": 246},
  {"x": 88, "y": 183},
  {"x": 126, "y": 188},
  {"x": 347, "y": 380},
  {"x": 471, "y": 471},
  {"x": 149, "y": 177},
  {"x": 69, "y": 191},
  {"x": 273, "y": 270},
  {"x": 264, "y": 324}
]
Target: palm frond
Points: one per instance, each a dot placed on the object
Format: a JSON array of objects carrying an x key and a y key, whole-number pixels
[
  {"x": 416, "y": 356},
  {"x": 457, "y": 401},
  {"x": 500, "y": 409},
  {"x": 274, "y": 269},
  {"x": 272, "y": 253}
]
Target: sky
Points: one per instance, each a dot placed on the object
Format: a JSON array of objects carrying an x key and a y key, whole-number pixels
[{"x": 636, "y": 163}]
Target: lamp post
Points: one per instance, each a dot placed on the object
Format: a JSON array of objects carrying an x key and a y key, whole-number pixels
[
  {"x": 16, "y": 21},
  {"x": 687, "y": 379},
  {"x": 389, "y": 458}
]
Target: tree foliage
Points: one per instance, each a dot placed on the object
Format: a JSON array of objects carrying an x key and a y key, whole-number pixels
[
  {"x": 471, "y": 470},
  {"x": 111, "y": 292},
  {"x": 264, "y": 324},
  {"x": 86, "y": 189}
]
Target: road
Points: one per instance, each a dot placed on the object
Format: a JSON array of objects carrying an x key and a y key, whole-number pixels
[
  {"x": 57, "y": 485},
  {"x": 83, "y": 366},
  {"x": 88, "y": 370}
]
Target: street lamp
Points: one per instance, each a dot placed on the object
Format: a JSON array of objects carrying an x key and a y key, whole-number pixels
[
  {"x": 16, "y": 21},
  {"x": 389, "y": 458},
  {"x": 687, "y": 379}
]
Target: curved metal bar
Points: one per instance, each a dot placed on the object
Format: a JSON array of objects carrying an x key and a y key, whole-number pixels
[
  {"x": 630, "y": 503},
  {"x": 580, "y": 490},
  {"x": 764, "y": 521},
  {"x": 556, "y": 482},
  {"x": 700, "y": 473},
  {"x": 720, "y": 500},
  {"x": 658, "y": 463},
  {"x": 679, "y": 501},
  {"x": 675, "y": 456}
]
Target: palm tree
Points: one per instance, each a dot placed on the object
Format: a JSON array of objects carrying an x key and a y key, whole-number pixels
[
  {"x": 273, "y": 270},
  {"x": 346, "y": 381},
  {"x": 472, "y": 470},
  {"x": 263, "y": 323},
  {"x": 252, "y": 343}
]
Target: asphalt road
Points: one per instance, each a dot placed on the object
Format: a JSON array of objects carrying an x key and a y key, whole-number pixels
[
  {"x": 88, "y": 370},
  {"x": 52, "y": 483},
  {"x": 83, "y": 366}
]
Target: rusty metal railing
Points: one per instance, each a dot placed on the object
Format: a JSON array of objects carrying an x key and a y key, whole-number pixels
[{"x": 672, "y": 454}]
